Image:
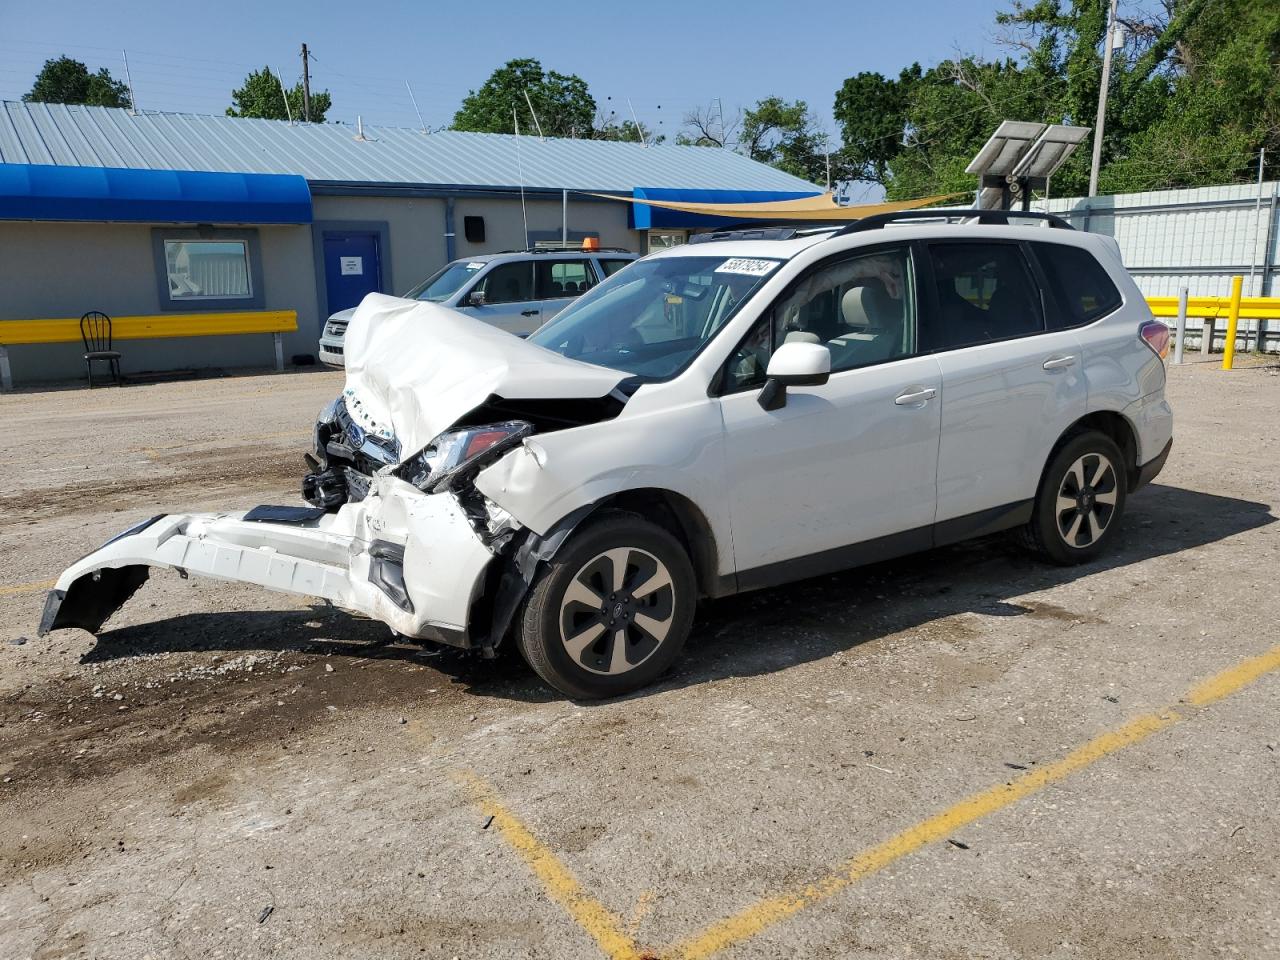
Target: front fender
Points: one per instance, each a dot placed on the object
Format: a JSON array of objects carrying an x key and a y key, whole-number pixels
[{"x": 678, "y": 449}]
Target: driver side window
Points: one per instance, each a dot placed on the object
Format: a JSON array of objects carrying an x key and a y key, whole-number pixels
[
  {"x": 508, "y": 283},
  {"x": 862, "y": 307}
]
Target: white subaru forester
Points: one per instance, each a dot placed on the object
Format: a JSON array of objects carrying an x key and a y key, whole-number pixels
[{"x": 714, "y": 418}]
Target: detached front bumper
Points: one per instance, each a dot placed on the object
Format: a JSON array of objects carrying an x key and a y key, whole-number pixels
[{"x": 409, "y": 559}]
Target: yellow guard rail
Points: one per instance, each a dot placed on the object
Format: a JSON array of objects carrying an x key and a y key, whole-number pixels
[
  {"x": 1233, "y": 307},
  {"x": 1211, "y": 308},
  {"x": 67, "y": 330}
]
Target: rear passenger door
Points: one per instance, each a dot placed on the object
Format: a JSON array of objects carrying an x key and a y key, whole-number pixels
[
  {"x": 1010, "y": 385},
  {"x": 559, "y": 282},
  {"x": 509, "y": 301}
]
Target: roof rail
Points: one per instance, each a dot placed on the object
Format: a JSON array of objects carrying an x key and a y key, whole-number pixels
[
  {"x": 558, "y": 250},
  {"x": 571, "y": 248},
  {"x": 996, "y": 217},
  {"x": 761, "y": 233}
]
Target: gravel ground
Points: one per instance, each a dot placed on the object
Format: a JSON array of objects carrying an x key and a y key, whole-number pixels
[{"x": 221, "y": 750}]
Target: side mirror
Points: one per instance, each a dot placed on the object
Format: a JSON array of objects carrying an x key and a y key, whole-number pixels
[
  {"x": 794, "y": 365},
  {"x": 474, "y": 299}
]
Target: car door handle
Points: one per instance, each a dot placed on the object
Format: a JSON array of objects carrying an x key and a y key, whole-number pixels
[
  {"x": 1058, "y": 362},
  {"x": 915, "y": 396},
  {"x": 529, "y": 313}
]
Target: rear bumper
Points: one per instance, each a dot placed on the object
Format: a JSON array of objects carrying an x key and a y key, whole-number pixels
[
  {"x": 409, "y": 559},
  {"x": 1149, "y": 470},
  {"x": 1152, "y": 420}
]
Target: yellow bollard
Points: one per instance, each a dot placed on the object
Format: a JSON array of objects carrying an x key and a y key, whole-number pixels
[{"x": 1233, "y": 320}]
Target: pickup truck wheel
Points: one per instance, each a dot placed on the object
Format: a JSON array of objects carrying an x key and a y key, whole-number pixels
[
  {"x": 611, "y": 612},
  {"x": 1080, "y": 501}
]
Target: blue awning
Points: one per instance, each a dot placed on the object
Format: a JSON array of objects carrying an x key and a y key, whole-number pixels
[
  {"x": 42, "y": 192},
  {"x": 643, "y": 217}
]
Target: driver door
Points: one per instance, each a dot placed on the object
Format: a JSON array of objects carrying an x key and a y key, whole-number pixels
[
  {"x": 509, "y": 299},
  {"x": 845, "y": 472}
]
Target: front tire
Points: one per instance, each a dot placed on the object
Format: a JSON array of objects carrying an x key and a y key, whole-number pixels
[
  {"x": 1081, "y": 500},
  {"x": 611, "y": 612}
]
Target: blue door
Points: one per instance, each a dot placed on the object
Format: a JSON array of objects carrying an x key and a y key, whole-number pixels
[{"x": 351, "y": 268}]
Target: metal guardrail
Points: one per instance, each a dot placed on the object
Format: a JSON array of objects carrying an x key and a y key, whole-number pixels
[
  {"x": 1208, "y": 309},
  {"x": 1251, "y": 308},
  {"x": 67, "y": 330}
]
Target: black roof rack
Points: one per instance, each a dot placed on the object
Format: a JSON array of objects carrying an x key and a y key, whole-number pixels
[
  {"x": 761, "y": 233},
  {"x": 997, "y": 217},
  {"x": 572, "y": 248}
]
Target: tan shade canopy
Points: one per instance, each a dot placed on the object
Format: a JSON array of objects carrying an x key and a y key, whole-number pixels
[{"x": 820, "y": 208}]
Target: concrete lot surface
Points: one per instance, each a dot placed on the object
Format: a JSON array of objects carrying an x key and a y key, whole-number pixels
[{"x": 959, "y": 754}]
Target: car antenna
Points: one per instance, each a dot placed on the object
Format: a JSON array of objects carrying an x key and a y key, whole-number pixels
[{"x": 520, "y": 166}]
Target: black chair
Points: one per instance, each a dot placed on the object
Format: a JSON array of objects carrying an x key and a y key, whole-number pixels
[{"x": 95, "y": 331}]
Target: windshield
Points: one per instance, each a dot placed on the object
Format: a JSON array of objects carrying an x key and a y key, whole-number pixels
[
  {"x": 653, "y": 317},
  {"x": 439, "y": 287}
]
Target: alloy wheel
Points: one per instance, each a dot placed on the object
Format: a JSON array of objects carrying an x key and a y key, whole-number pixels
[
  {"x": 1086, "y": 500},
  {"x": 617, "y": 610}
]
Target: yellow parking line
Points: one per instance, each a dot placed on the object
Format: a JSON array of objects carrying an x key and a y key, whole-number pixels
[
  {"x": 1231, "y": 680},
  {"x": 26, "y": 588},
  {"x": 604, "y": 927},
  {"x": 749, "y": 922},
  {"x": 752, "y": 920},
  {"x": 609, "y": 932}
]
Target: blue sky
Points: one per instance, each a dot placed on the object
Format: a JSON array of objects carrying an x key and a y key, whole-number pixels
[{"x": 666, "y": 57}]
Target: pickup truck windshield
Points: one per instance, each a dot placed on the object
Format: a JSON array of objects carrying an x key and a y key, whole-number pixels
[
  {"x": 654, "y": 317},
  {"x": 439, "y": 287}
]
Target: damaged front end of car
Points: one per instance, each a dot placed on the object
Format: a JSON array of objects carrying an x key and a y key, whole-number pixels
[{"x": 396, "y": 528}]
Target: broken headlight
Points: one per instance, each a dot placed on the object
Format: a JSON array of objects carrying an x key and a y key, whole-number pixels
[{"x": 459, "y": 453}]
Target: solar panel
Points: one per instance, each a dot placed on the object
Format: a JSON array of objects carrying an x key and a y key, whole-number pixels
[
  {"x": 1019, "y": 157},
  {"x": 1001, "y": 153},
  {"x": 1050, "y": 151}
]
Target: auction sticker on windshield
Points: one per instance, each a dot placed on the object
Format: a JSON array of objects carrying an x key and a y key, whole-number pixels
[{"x": 747, "y": 267}]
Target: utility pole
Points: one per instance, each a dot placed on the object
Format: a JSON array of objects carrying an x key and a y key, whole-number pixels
[
  {"x": 1100, "y": 123},
  {"x": 306, "y": 82}
]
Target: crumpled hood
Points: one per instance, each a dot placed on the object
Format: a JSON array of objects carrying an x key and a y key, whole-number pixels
[{"x": 415, "y": 368}]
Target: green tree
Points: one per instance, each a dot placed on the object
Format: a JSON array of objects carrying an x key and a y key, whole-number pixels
[
  {"x": 69, "y": 81},
  {"x": 261, "y": 97},
  {"x": 872, "y": 111},
  {"x": 787, "y": 136},
  {"x": 562, "y": 102},
  {"x": 625, "y": 132},
  {"x": 1064, "y": 40},
  {"x": 1194, "y": 94}
]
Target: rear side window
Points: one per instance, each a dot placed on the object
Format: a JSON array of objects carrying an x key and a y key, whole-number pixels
[
  {"x": 610, "y": 267},
  {"x": 1080, "y": 288},
  {"x": 985, "y": 293}
]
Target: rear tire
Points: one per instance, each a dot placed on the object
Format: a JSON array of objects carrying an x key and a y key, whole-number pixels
[
  {"x": 611, "y": 612},
  {"x": 1080, "y": 501}
]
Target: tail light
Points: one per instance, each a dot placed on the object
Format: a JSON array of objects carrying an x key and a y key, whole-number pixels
[{"x": 1156, "y": 336}]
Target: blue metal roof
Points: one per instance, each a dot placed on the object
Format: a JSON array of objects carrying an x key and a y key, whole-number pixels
[
  {"x": 327, "y": 153},
  {"x": 44, "y": 192}
]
